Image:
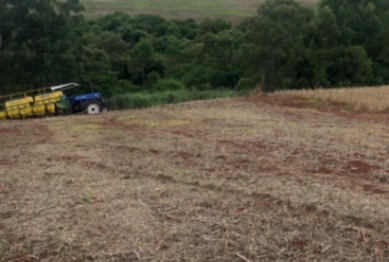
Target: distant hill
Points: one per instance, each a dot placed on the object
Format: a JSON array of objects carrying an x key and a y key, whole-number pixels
[{"x": 233, "y": 10}]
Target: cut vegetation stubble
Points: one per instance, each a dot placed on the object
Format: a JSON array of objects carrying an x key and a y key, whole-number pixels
[
  {"x": 357, "y": 99},
  {"x": 222, "y": 180}
]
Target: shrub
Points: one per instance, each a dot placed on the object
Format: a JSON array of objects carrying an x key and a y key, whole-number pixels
[
  {"x": 126, "y": 86},
  {"x": 147, "y": 99},
  {"x": 169, "y": 84}
]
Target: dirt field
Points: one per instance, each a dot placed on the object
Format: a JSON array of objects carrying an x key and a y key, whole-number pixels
[{"x": 222, "y": 180}]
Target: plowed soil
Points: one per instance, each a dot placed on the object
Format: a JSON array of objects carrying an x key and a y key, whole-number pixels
[{"x": 222, "y": 180}]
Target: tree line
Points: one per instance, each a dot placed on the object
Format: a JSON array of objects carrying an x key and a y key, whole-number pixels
[{"x": 286, "y": 45}]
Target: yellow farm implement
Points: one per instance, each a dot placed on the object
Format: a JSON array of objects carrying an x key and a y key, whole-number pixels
[{"x": 48, "y": 101}]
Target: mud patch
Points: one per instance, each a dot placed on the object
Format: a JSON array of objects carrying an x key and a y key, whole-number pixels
[
  {"x": 360, "y": 167},
  {"x": 97, "y": 165},
  {"x": 188, "y": 158},
  {"x": 9, "y": 130},
  {"x": 373, "y": 189},
  {"x": 116, "y": 124},
  {"x": 127, "y": 149},
  {"x": 6, "y": 214},
  {"x": 324, "y": 170},
  {"x": 154, "y": 151},
  {"x": 5, "y": 162},
  {"x": 184, "y": 134},
  {"x": 249, "y": 146}
]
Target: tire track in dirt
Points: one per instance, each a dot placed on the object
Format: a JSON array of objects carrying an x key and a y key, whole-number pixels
[
  {"x": 353, "y": 169},
  {"x": 353, "y": 221},
  {"x": 353, "y": 174}
]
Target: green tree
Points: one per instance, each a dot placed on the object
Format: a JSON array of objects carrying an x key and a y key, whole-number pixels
[
  {"x": 350, "y": 66},
  {"x": 143, "y": 60},
  {"x": 36, "y": 27},
  {"x": 96, "y": 73},
  {"x": 277, "y": 44},
  {"x": 364, "y": 23}
]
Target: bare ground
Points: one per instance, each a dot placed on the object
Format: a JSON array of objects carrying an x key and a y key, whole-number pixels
[{"x": 223, "y": 180}]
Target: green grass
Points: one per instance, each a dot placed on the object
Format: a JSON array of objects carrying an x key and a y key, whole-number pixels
[
  {"x": 145, "y": 99},
  {"x": 228, "y": 9},
  {"x": 173, "y": 8}
]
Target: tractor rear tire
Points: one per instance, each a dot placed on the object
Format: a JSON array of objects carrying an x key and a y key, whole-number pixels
[{"x": 92, "y": 107}]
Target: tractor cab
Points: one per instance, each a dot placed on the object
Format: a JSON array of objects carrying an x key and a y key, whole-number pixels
[{"x": 92, "y": 103}]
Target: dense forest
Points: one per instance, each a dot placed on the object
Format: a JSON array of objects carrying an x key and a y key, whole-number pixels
[{"x": 286, "y": 45}]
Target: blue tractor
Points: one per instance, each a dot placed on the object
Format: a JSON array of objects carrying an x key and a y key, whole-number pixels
[
  {"x": 58, "y": 101},
  {"x": 91, "y": 103}
]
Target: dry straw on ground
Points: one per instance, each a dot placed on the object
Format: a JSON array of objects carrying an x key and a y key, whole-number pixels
[
  {"x": 359, "y": 99},
  {"x": 224, "y": 180}
]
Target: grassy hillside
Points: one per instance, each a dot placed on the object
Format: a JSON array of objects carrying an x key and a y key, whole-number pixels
[{"x": 229, "y": 9}]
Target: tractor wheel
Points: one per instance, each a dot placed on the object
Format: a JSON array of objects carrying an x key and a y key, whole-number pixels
[{"x": 92, "y": 107}]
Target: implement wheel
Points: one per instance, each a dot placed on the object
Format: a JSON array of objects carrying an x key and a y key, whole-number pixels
[{"x": 92, "y": 107}]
